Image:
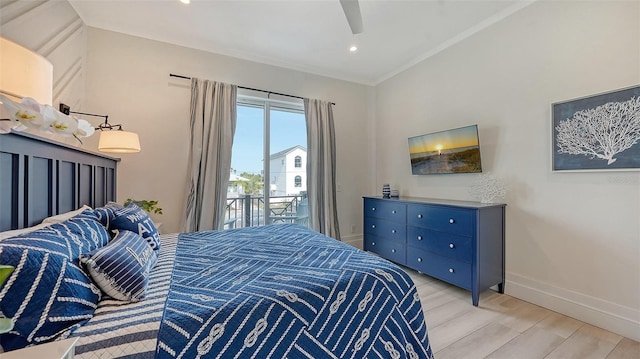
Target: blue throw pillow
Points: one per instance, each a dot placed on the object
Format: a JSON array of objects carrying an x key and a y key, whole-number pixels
[
  {"x": 121, "y": 269},
  {"x": 131, "y": 218},
  {"x": 47, "y": 295},
  {"x": 106, "y": 213}
]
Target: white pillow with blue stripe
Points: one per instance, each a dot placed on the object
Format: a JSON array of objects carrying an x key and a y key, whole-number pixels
[{"x": 121, "y": 268}]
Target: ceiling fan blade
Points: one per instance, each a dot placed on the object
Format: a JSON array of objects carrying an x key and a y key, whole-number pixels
[{"x": 351, "y": 10}]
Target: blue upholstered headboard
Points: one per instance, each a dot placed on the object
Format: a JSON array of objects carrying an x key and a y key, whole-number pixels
[{"x": 40, "y": 177}]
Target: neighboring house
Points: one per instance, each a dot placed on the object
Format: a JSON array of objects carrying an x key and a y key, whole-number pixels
[
  {"x": 288, "y": 171},
  {"x": 235, "y": 187}
]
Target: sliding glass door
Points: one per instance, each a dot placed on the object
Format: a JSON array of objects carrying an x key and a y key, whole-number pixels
[{"x": 273, "y": 190}]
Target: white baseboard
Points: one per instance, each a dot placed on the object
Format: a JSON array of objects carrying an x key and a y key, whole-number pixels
[
  {"x": 353, "y": 240},
  {"x": 595, "y": 311},
  {"x": 613, "y": 317}
]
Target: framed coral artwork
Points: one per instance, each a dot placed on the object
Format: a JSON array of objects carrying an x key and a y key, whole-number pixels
[{"x": 597, "y": 133}]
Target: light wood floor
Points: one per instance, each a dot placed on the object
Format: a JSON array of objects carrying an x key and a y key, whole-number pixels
[{"x": 505, "y": 327}]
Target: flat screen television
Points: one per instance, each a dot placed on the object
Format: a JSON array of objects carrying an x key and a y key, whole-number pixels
[{"x": 450, "y": 151}]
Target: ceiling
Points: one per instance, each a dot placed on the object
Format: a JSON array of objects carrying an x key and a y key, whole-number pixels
[{"x": 310, "y": 36}]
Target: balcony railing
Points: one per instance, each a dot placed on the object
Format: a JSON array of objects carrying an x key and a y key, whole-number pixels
[{"x": 249, "y": 211}]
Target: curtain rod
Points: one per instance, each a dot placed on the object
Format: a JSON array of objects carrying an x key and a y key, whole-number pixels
[{"x": 249, "y": 88}]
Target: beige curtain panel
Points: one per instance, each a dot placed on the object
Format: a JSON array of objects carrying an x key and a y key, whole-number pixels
[
  {"x": 213, "y": 124},
  {"x": 321, "y": 167}
]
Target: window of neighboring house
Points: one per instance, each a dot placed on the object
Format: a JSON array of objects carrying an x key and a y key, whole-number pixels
[
  {"x": 298, "y": 181},
  {"x": 282, "y": 161},
  {"x": 298, "y": 161}
]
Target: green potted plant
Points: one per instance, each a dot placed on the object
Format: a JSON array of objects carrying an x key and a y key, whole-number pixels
[{"x": 151, "y": 207}]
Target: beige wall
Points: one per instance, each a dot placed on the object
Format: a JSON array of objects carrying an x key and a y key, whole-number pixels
[
  {"x": 128, "y": 79},
  {"x": 573, "y": 239}
]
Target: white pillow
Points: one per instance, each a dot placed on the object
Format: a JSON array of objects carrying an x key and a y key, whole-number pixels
[
  {"x": 17, "y": 232},
  {"x": 64, "y": 216},
  {"x": 45, "y": 223}
]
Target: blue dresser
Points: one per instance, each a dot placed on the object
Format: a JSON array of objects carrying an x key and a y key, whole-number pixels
[{"x": 459, "y": 242}]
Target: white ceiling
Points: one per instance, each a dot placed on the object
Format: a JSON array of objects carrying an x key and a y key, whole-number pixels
[{"x": 310, "y": 36}]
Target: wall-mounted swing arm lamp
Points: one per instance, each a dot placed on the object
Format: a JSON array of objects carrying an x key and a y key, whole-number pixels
[{"x": 112, "y": 137}]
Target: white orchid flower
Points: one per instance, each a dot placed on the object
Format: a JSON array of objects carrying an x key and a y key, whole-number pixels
[
  {"x": 48, "y": 117},
  {"x": 28, "y": 113},
  {"x": 59, "y": 123},
  {"x": 85, "y": 129},
  {"x": 5, "y": 109},
  {"x": 8, "y": 105}
]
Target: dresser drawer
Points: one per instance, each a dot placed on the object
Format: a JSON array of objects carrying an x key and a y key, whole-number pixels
[
  {"x": 386, "y": 209},
  {"x": 446, "y": 244},
  {"x": 392, "y": 250},
  {"x": 445, "y": 219},
  {"x": 449, "y": 270},
  {"x": 385, "y": 229}
]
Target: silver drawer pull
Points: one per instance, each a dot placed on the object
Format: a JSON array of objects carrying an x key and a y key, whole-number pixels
[
  {"x": 419, "y": 216},
  {"x": 393, "y": 251},
  {"x": 451, "y": 245},
  {"x": 394, "y": 211},
  {"x": 419, "y": 259},
  {"x": 373, "y": 208},
  {"x": 373, "y": 226},
  {"x": 451, "y": 220},
  {"x": 419, "y": 238},
  {"x": 450, "y": 270},
  {"x": 393, "y": 231},
  {"x": 373, "y": 243}
]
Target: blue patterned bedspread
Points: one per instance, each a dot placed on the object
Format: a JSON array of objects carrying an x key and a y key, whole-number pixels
[{"x": 284, "y": 291}]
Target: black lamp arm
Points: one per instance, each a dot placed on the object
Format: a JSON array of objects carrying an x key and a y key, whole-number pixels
[
  {"x": 103, "y": 126},
  {"x": 107, "y": 126}
]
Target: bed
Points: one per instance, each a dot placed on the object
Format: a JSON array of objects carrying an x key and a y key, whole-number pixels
[{"x": 261, "y": 292}]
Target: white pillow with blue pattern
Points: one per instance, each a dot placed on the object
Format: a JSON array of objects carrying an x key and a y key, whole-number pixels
[
  {"x": 48, "y": 295},
  {"x": 121, "y": 268},
  {"x": 131, "y": 218}
]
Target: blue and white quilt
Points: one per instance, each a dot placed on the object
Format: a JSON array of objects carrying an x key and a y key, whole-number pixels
[{"x": 284, "y": 291}]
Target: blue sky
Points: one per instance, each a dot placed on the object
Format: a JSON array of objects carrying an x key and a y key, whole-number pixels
[{"x": 287, "y": 130}]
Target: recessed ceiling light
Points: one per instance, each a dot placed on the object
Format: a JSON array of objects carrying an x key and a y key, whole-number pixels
[
  {"x": 353, "y": 48},
  {"x": 185, "y": 1}
]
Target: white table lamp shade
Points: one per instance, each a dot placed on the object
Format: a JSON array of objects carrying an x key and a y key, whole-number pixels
[
  {"x": 24, "y": 73},
  {"x": 118, "y": 141}
]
